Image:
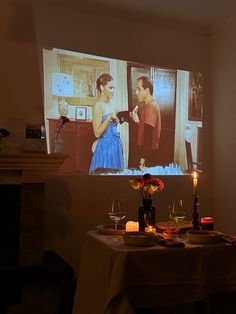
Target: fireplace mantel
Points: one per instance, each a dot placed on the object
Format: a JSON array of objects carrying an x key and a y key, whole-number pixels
[
  {"x": 28, "y": 167},
  {"x": 22, "y": 187}
]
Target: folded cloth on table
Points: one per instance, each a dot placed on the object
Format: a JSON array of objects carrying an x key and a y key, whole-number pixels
[{"x": 229, "y": 239}]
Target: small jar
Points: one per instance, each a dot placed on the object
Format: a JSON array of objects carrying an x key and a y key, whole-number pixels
[{"x": 207, "y": 223}]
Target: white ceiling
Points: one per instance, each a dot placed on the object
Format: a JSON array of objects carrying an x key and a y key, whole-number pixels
[{"x": 198, "y": 14}]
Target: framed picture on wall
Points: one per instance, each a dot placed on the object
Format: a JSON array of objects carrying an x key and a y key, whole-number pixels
[
  {"x": 85, "y": 72},
  {"x": 195, "y": 96},
  {"x": 81, "y": 113}
]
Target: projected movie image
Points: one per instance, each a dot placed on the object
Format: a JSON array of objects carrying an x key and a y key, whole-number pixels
[{"x": 125, "y": 118}]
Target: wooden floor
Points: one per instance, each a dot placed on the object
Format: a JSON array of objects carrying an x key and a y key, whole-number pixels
[
  {"x": 47, "y": 287},
  {"x": 45, "y": 298}
]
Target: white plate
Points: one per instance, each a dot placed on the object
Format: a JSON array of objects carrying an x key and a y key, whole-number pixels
[
  {"x": 204, "y": 236},
  {"x": 109, "y": 229},
  {"x": 139, "y": 238}
]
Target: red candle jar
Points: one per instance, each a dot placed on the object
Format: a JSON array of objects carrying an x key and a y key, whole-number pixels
[{"x": 207, "y": 223}]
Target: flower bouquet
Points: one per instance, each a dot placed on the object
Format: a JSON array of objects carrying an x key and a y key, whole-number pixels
[{"x": 147, "y": 185}]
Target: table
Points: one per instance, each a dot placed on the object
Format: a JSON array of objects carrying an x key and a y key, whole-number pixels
[{"x": 116, "y": 278}]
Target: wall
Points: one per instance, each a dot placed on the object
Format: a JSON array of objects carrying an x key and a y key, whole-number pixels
[
  {"x": 76, "y": 204},
  {"x": 21, "y": 97},
  {"x": 223, "y": 64}
]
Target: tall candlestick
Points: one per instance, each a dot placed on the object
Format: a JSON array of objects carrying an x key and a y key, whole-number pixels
[
  {"x": 195, "y": 214},
  {"x": 195, "y": 182}
]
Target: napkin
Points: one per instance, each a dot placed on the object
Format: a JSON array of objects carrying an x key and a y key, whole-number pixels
[
  {"x": 170, "y": 242},
  {"x": 229, "y": 239}
]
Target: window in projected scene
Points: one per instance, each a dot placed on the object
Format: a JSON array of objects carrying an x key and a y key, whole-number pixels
[{"x": 125, "y": 118}]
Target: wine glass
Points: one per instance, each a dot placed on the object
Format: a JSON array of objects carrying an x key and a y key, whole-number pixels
[
  {"x": 177, "y": 211},
  {"x": 116, "y": 214}
]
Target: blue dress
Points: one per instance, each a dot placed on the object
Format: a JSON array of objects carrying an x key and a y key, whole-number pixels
[{"x": 108, "y": 153}]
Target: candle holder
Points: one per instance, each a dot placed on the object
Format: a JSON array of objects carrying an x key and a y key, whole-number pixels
[{"x": 195, "y": 215}]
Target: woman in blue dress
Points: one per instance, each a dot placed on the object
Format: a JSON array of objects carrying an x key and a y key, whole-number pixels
[{"x": 108, "y": 153}]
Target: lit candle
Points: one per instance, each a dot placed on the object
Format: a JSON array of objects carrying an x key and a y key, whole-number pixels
[
  {"x": 195, "y": 181},
  {"x": 132, "y": 226},
  {"x": 151, "y": 229}
]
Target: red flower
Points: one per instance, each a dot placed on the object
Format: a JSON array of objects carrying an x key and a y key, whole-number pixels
[{"x": 64, "y": 120}]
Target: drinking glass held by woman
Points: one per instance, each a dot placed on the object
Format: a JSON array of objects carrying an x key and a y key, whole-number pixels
[{"x": 107, "y": 150}]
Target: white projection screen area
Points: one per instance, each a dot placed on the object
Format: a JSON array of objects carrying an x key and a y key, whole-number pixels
[{"x": 125, "y": 118}]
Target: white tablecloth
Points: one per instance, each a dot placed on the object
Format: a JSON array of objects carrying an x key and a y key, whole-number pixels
[{"x": 115, "y": 278}]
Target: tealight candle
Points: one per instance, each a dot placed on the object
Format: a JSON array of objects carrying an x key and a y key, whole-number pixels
[
  {"x": 150, "y": 228},
  {"x": 132, "y": 226}
]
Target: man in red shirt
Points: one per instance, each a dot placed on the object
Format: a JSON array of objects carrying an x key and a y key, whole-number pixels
[{"x": 149, "y": 123}]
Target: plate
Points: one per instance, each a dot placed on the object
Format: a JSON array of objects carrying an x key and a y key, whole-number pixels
[
  {"x": 140, "y": 238},
  {"x": 183, "y": 225},
  {"x": 204, "y": 236},
  {"x": 110, "y": 229}
]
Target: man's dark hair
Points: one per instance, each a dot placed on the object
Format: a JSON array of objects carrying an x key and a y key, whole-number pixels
[{"x": 146, "y": 83}]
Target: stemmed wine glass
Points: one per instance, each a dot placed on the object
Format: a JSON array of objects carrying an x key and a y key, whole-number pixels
[
  {"x": 177, "y": 211},
  {"x": 116, "y": 214}
]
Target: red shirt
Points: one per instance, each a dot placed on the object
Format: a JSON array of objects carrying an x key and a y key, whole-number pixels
[{"x": 150, "y": 115}]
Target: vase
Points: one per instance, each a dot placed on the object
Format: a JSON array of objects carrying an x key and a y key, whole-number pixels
[
  {"x": 57, "y": 145},
  {"x": 146, "y": 214}
]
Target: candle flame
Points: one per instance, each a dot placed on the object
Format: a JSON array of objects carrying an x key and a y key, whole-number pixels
[{"x": 195, "y": 175}]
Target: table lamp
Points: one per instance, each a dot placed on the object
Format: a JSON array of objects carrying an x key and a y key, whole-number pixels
[{"x": 62, "y": 86}]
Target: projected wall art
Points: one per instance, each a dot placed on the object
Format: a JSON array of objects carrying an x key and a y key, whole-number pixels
[{"x": 125, "y": 118}]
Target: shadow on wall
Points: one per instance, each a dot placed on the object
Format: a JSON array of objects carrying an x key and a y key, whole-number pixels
[
  {"x": 58, "y": 203},
  {"x": 75, "y": 204},
  {"x": 82, "y": 202}
]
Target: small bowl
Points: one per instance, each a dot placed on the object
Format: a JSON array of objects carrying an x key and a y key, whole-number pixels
[
  {"x": 140, "y": 238},
  {"x": 204, "y": 236}
]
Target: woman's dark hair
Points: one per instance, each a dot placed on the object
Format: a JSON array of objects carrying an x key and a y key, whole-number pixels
[
  {"x": 146, "y": 83},
  {"x": 103, "y": 80}
]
